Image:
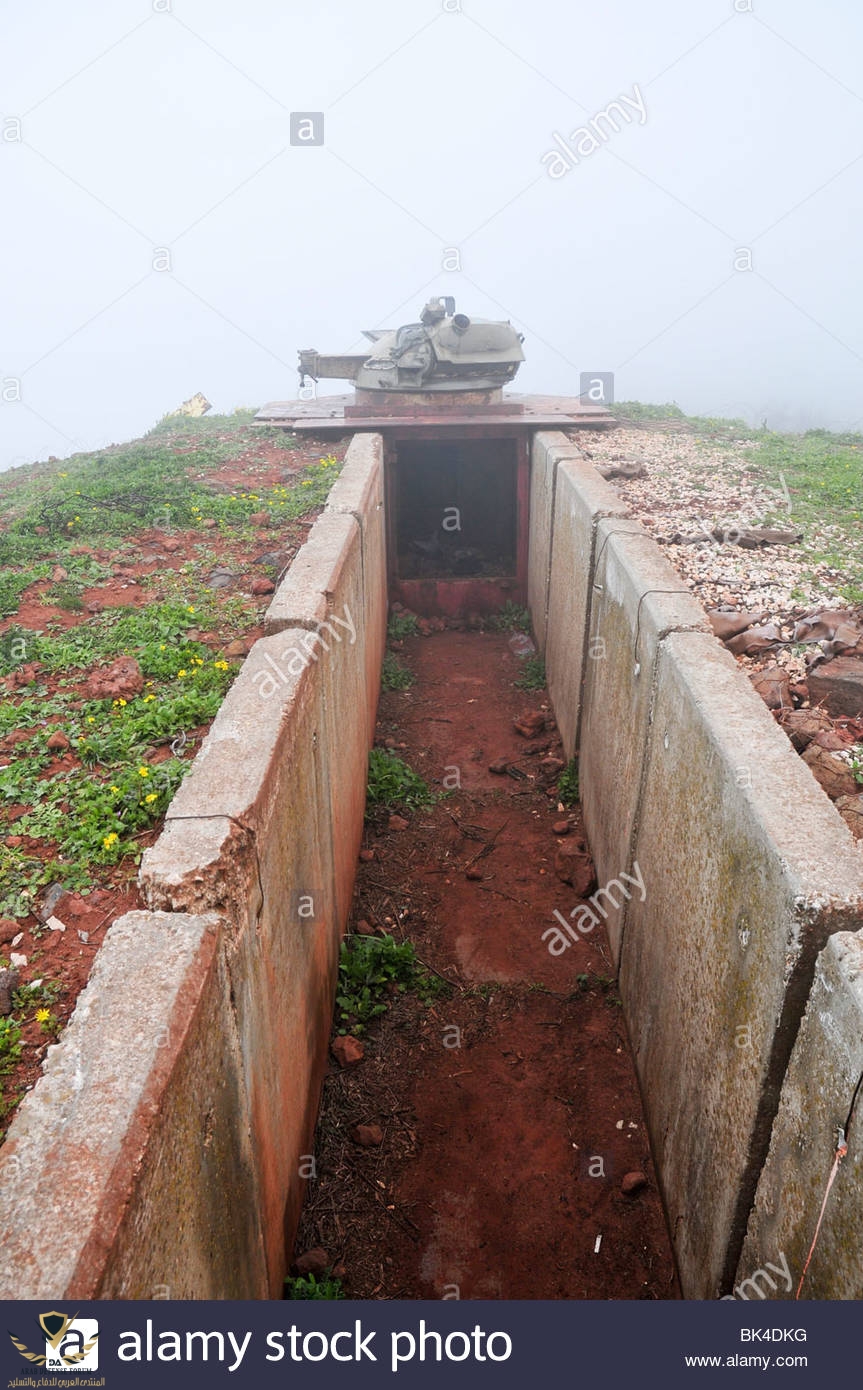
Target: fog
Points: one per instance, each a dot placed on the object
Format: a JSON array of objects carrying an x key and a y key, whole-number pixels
[{"x": 162, "y": 235}]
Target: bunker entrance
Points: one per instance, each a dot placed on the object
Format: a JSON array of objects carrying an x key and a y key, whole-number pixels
[{"x": 457, "y": 520}]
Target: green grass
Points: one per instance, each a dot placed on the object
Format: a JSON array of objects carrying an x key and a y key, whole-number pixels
[
  {"x": 307, "y": 1286},
  {"x": 402, "y": 625},
  {"x": 372, "y": 969},
  {"x": 511, "y": 618},
  {"x": 567, "y": 784},
  {"x": 532, "y": 674},
  {"x": 394, "y": 676},
  {"x": 392, "y": 783}
]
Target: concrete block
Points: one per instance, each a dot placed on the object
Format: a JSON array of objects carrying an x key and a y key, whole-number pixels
[
  {"x": 548, "y": 449},
  {"x": 251, "y": 828},
  {"x": 816, "y": 1099},
  {"x": 636, "y": 600},
  {"x": 747, "y": 869},
  {"x": 94, "y": 1164},
  {"x": 359, "y": 491},
  {"x": 582, "y": 499}
]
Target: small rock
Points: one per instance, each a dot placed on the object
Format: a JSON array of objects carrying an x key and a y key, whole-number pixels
[
  {"x": 498, "y": 767},
  {"x": 473, "y": 873},
  {"x": 58, "y": 574},
  {"x": 633, "y": 1182},
  {"x": 315, "y": 1261},
  {"x": 9, "y": 929},
  {"x": 832, "y": 773},
  {"x": 83, "y": 936},
  {"x": 94, "y": 606},
  {"x": 803, "y": 725},
  {"x": 348, "y": 1051},
  {"x": 210, "y": 523},
  {"x": 262, "y": 585},
  {"x": 17, "y": 961},
  {"x": 237, "y": 648},
  {"x": 221, "y": 579},
  {"x": 757, "y": 639},
  {"x": 364, "y": 928},
  {"x": 121, "y": 680},
  {"x": 260, "y": 518},
  {"x": 831, "y": 739},
  {"x": 573, "y": 864},
  {"x": 57, "y": 742},
  {"x": 13, "y": 841},
  {"x": 850, "y": 809},
  {"x": 728, "y": 625},
  {"x": 561, "y": 827},
  {"x": 8, "y": 984},
  {"x": 838, "y": 686},
  {"x": 552, "y": 765},
  {"x": 367, "y": 1136},
  {"x": 50, "y": 899},
  {"x": 529, "y": 724},
  {"x": 171, "y": 544},
  {"x": 398, "y": 823},
  {"x": 366, "y": 856},
  {"x": 774, "y": 687}
]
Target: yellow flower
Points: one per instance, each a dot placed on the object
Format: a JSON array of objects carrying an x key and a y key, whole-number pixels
[
  {"x": 90, "y": 719},
  {"x": 148, "y": 697},
  {"x": 182, "y": 673},
  {"x": 119, "y": 703},
  {"x": 162, "y": 646},
  {"x": 198, "y": 660},
  {"x": 42, "y": 1015},
  {"x": 113, "y": 789},
  {"x": 143, "y": 772},
  {"x": 190, "y": 608},
  {"x": 221, "y": 665},
  {"x": 307, "y": 482},
  {"x": 151, "y": 796},
  {"x": 110, "y": 840}
]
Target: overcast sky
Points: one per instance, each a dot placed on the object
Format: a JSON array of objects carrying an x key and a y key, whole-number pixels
[{"x": 162, "y": 235}]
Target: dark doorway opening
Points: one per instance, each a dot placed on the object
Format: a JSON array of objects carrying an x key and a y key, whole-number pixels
[{"x": 456, "y": 509}]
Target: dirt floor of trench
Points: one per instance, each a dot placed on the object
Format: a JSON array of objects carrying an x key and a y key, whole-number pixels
[{"x": 504, "y": 1144}]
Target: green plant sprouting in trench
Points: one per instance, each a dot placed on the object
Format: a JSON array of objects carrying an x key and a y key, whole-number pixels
[{"x": 371, "y": 970}]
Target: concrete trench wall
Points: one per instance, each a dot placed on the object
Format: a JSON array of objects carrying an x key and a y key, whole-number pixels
[
  {"x": 744, "y": 871},
  {"x": 194, "y": 1058},
  {"x": 161, "y": 1153}
]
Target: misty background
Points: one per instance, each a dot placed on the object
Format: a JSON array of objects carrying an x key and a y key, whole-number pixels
[{"x": 140, "y": 134}]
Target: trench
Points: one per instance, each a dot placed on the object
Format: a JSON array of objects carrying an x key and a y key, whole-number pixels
[{"x": 507, "y": 1109}]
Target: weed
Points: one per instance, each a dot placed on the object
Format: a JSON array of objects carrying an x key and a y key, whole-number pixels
[
  {"x": 392, "y": 783},
  {"x": 401, "y": 625},
  {"x": 567, "y": 784},
  {"x": 10, "y": 1044},
  {"x": 372, "y": 969},
  {"x": 394, "y": 676},
  {"x": 511, "y": 618},
  {"x": 532, "y": 674},
  {"x": 307, "y": 1286}
]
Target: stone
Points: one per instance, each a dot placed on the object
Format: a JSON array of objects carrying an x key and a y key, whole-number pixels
[
  {"x": 366, "y": 856},
  {"x": 50, "y": 899},
  {"x": 316, "y": 1261},
  {"x": 850, "y": 809},
  {"x": 728, "y": 625},
  {"x": 348, "y": 1051},
  {"x": 367, "y": 1136},
  {"x": 8, "y": 984},
  {"x": 9, "y": 929},
  {"x": 262, "y": 585},
  {"x": 552, "y": 765},
  {"x": 837, "y": 685},
  {"x": 121, "y": 680},
  {"x": 18, "y": 960},
  {"x": 561, "y": 827},
  {"x": 398, "y": 823},
  {"x": 803, "y": 725},
  {"x": 58, "y": 574},
  {"x": 529, "y": 724},
  {"x": 474, "y": 873},
  {"x": 573, "y": 864},
  {"x": 221, "y": 578},
  {"x": 237, "y": 648},
  {"x": 364, "y": 928},
  {"x": 58, "y": 742},
  {"x": 832, "y": 774},
  {"x": 498, "y": 767},
  {"x": 260, "y": 518},
  {"x": 755, "y": 640},
  {"x": 633, "y": 1182},
  {"x": 832, "y": 740},
  {"x": 774, "y": 687},
  {"x": 171, "y": 544},
  {"x": 210, "y": 523}
]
